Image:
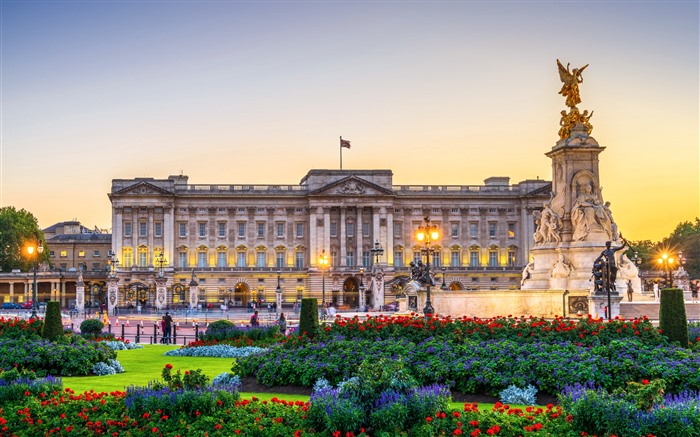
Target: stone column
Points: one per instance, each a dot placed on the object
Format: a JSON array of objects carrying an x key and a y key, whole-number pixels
[
  {"x": 161, "y": 292},
  {"x": 360, "y": 226},
  {"x": 150, "y": 231},
  {"x": 80, "y": 294},
  {"x": 194, "y": 291},
  {"x": 12, "y": 291},
  {"x": 389, "y": 243},
  {"x": 343, "y": 238},
  {"x": 278, "y": 300},
  {"x": 112, "y": 293},
  {"x": 327, "y": 232},
  {"x": 313, "y": 237}
]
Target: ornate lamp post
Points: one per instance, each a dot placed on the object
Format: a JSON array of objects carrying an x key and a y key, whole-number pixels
[
  {"x": 443, "y": 287},
  {"x": 160, "y": 262},
  {"x": 362, "y": 289},
  {"x": 427, "y": 233},
  {"x": 323, "y": 262},
  {"x": 667, "y": 262},
  {"x": 377, "y": 251},
  {"x": 112, "y": 262},
  {"x": 39, "y": 249}
]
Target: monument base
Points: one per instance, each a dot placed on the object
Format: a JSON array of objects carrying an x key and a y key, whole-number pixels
[{"x": 599, "y": 305}]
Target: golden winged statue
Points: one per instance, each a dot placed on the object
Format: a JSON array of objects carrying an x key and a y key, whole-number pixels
[{"x": 570, "y": 79}]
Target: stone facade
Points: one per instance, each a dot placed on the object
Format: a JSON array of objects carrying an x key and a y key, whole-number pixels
[{"x": 232, "y": 240}]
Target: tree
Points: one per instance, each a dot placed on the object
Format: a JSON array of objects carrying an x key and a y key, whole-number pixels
[
  {"x": 17, "y": 229},
  {"x": 686, "y": 238}
]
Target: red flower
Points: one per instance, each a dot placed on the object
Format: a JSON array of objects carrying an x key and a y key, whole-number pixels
[
  {"x": 168, "y": 366},
  {"x": 428, "y": 419},
  {"x": 645, "y": 381},
  {"x": 457, "y": 432}
]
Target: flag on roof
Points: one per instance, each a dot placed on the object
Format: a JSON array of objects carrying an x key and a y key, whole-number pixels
[{"x": 344, "y": 143}]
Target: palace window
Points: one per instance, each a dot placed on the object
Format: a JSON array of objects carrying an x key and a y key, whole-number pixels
[
  {"x": 240, "y": 259},
  {"x": 511, "y": 230},
  {"x": 182, "y": 260},
  {"x": 222, "y": 230},
  {"x": 260, "y": 260},
  {"x": 366, "y": 259},
  {"x": 473, "y": 230},
  {"x": 202, "y": 229},
  {"x": 280, "y": 230},
  {"x": 81, "y": 254},
  {"x": 241, "y": 230},
  {"x": 127, "y": 229},
  {"x": 454, "y": 230},
  {"x": 221, "y": 259},
  {"x": 365, "y": 229},
  {"x": 397, "y": 230},
  {"x": 158, "y": 229},
  {"x": 201, "y": 259},
  {"x": 300, "y": 230},
  {"x": 436, "y": 259},
  {"x": 473, "y": 258},
  {"x": 299, "y": 260},
  {"x": 511, "y": 258},
  {"x": 350, "y": 259},
  {"x": 143, "y": 257},
  {"x": 143, "y": 231},
  {"x": 398, "y": 259},
  {"x": 493, "y": 258},
  {"x": 455, "y": 258},
  {"x": 492, "y": 229},
  {"x": 279, "y": 259},
  {"x": 334, "y": 229},
  {"x": 128, "y": 257},
  {"x": 350, "y": 229},
  {"x": 261, "y": 230},
  {"x": 64, "y": 254},
  {"x": 182, "y": 228}
]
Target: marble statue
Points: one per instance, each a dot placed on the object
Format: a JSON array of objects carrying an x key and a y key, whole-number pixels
[
  {"x": 526, "y": 273},
  {"x": 626, "y": 268},
  {"x": 548, "y": 225},
  {"x": 570, "y": 80},
  {"x": 562, "y": 268},
  {"x": 589, "y": 214}
]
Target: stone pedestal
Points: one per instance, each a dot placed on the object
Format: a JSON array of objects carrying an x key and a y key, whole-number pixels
[
  {"x": 599, "y": 302},
  {"x": 278, "y": 301},
  {"x": 112, "y": 293},
  {"x": 80, "y": 295},
  {"x": 161, "y": 292}
]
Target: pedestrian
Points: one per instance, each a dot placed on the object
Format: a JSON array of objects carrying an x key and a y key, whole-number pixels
[
  {"x": 694, "y": 290},
  {"x": 283, "y": 324},
  {"x": 656, "y": 291},
  {"x": 630, "y": 291},
  {"x": 162, "y": 329},
  {"x": 269, "y": 307},
  {"x": 167, "y": 327},
  {"x": 254, "y": 320}
]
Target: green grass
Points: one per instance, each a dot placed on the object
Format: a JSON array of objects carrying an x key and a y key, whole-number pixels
[{"x": 144, "y": 365}]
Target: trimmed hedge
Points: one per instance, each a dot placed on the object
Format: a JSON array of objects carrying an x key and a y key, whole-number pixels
[
  {"x": 308, "y": 318},
  {"x": 91, "y": 327},
  {"x": 53, "y": 327},
  {"x": 672, "y": 319}
]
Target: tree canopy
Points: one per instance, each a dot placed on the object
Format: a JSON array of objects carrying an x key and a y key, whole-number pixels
[{"x": 17, "y": 230}]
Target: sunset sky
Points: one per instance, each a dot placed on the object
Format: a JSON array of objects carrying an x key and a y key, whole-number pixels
[{"x": 259, "y": 92}]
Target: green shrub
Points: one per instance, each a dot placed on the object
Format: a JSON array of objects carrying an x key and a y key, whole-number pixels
[
  {"x": 308, "y": 318},
  {"x": 53, "y": 327},
  {"x": 91, "y": 327},
  {"x": 673, "y": 322}
]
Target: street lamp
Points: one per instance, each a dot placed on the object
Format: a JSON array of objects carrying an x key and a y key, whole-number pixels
[
  {"x": 427, "y": 233},
  {"x": 377, "y": 251},
  {"x": 161, "y": 261},
  {"x": 443, "y": 287},
  {"x": 39, "y": 250},
  {"x": 666, "y": 262},
  {"x": 112, "y": 262},
  {"x": 362, "y": 289},
  {"x": 323, "y": 262}
]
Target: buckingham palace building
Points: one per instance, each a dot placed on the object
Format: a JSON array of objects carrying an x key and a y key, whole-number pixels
[{"x": 252, "y": 243}]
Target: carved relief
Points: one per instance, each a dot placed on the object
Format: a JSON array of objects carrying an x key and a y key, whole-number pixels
[{"x": 351, "y": 187}]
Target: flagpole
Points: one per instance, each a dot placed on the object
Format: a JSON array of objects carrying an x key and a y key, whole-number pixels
[{"x": 341, "y": 152}]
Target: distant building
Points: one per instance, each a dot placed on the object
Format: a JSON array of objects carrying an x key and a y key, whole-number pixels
[
  {"x": 71, "y": 247},
  {"x": 235, "y": 238}
]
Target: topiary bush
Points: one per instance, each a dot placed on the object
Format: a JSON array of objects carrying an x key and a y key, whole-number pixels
[
  {"x": 308, "y": 318},
  {"x": 673, "y": 322},
  {"x": 53, "y": 327},
  {"x": 91, "y": 327}
]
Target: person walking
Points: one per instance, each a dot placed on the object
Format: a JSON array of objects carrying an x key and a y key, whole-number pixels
[
  {"x": 167, "y": 327},
  {"x": 694, "y": 290},
  {"x": 656, "y": 291},
  {"x": 254, "y": 320},
  {"x": 630, "y": 291},
  {"x": 283, "y": 324}
]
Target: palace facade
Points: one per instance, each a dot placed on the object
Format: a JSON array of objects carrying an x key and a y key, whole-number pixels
[{"x": 245, "y": 243}]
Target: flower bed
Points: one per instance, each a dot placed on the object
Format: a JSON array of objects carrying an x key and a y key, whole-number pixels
[
  {"x": 218, "y": 351},
  {"x": 481, "y": 367},
  {"x": 587, "y": 331}
]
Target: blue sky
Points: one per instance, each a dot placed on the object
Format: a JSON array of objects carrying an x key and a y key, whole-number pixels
[{"x": 259, "y": 92}]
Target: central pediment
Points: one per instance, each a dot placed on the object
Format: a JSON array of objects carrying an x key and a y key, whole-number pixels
[
  {"x": 142, "y": 188},
  {"x": 351, "y": 186}
]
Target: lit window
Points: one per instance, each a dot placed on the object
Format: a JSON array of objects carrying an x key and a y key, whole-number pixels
[
  {"x": 511, "y": 230},
  {"x": 81, "y": 254}
]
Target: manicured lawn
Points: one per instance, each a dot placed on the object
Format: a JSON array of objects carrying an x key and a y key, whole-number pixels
[{"x": 144, "y": 365}]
